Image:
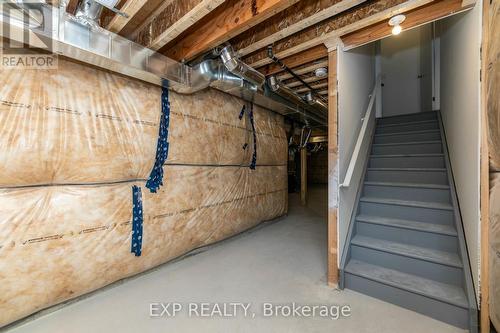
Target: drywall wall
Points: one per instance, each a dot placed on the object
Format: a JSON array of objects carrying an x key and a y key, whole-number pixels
[
  {"x": 74, "y": 141},
  {"x": 406, "y": 71},
  {"x": 460, "y": 107},
  {"x": 356, "y": 78}
]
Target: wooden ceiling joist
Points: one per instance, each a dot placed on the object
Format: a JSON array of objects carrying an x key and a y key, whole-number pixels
[
  {"x": 131, "y": 8},
  {"x": 71, "y": 6},
  {"x": 296, "y": 18},
  {"x": 173, "y": 20},
  {"x": 338, "y": 26},
  {"x": 227, "y": 21},
  {"x": 309, "y": 55},
  {"x": 414, "y": 18},
  {"x": 304, "y": 69},
  {"x": 295, "y": 83},
  {"x": 322, "y": 84}
]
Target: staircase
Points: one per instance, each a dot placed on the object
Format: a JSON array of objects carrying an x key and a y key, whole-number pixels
[{"x": 405, "y": 244}]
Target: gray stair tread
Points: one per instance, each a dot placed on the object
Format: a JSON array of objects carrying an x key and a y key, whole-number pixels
[
  {"x": 396, "y": 184},
  {"x": 407, "y": 143},
  {"x": 410, "y": 203},
  {"x": 406, "y": 155},
  {"x": 416, "y": 122},
  {"x": 409, "y": 224},
  {"x": 407, "y": 169},
  {"x": 412, "y": 251},
  {"x": 409, "y": 132},
  {"x": 448, "y": 293}
]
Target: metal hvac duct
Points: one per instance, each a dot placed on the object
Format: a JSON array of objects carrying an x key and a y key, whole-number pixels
[
  {"x": 315, "y": 101},
  {"x": 70, "y": 37},
  {"x": 317, "y": 112}
]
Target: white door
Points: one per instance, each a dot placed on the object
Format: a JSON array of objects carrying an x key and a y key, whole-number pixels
[{"x": 402, "y": 67}]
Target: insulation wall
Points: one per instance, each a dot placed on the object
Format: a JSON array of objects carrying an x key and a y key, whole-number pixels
[{"x": 72, "y": 144}]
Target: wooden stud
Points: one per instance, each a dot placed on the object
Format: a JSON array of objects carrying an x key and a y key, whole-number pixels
[
  {"x": 312, "y": 54},
  {"x": 303, "y": 176},
  {"x": 490, "y": 196},
  {"x": 274, "y": 30},
  {"x": 333, "y": 270},
  {"x": 484, "y": 275},
  {"x": 227, "y": 21},
  {"x": 414, "y": 18}
]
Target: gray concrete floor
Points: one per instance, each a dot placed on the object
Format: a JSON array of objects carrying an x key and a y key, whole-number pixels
[{"x": 280, "y": 262}]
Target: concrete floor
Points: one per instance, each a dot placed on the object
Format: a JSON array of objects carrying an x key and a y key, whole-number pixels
[{"x": 280, "y": 262}]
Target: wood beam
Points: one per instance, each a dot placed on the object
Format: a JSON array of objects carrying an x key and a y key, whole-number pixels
[
  {"x": 173, "y": 20},
  {"x": 296, "y": 18},
  {"x": 332, "y": 254},
  {"x": 295, "y": 83},
  {"x": 227, "y": 21},
  {"x": 71, "y": 7},
  {"x": 490, "y": 195},
  {"x": 414, "y": 18},
  {"x": 312, "y": 54},
  {"x": 304, "y": 69},
  {"x": 366, "y": 15},
  {"x": 321, "y": 84},
  {"x": 303, "y": 176},
  {"x": 131, "y": 8},
  {"x": 484, "y": 275}
]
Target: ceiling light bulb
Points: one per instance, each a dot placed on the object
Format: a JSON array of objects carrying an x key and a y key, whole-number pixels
[
  {"x": 396, "y": 30},
  {"x": 395, "y": 23}
]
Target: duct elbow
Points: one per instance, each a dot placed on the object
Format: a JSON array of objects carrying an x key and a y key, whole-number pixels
[{"x": 239, "y": 68}]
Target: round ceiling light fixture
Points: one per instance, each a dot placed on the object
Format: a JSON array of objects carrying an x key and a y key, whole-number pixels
[
  {"x": 395, "y": 23},
  {"x": 320, "y": 72}
]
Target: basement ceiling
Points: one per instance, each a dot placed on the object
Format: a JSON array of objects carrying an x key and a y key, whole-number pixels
[{"x": 298, "y": 30}]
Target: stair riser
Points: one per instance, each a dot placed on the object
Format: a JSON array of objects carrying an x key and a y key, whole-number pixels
[
  {"x": 419, "y": 177},
  {"x": 424, "y": 148},
  {"x": 407, "y": 162},
  {"x": 407, "y": 137},
  {"x": 407, "y": 118},
  {"x": 407, "y": 213},
  {"x": 425, "y": 269},
  {"x": 408, "y": 236},
  {"x": 407, "y": 193},
  {"x": 441, "y": 311},
  {"x": 407, "y": 127}
]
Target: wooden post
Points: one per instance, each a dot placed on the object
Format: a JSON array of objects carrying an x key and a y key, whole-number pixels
[
  {"x": 303, "y": 176},
  {"x": 484, "y": 307},
  {"x": 490, "y": 167},
  {"x": 333, "y": 270}
]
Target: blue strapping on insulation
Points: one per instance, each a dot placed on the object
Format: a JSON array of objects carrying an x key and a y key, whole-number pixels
[
  {"x": 252, "y": 123},
  {"x": 242, "y": 112},
  {"x": 155, "y": 179},
  {"x": 136, "y": 245},
  {"x": 254, "y": 155}
]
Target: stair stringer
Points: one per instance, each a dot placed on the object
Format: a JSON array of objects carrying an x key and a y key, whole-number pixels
[{"x": 464, "y": 255}]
